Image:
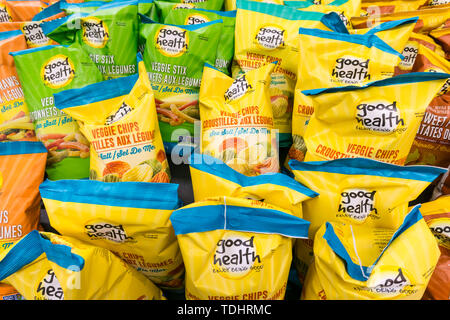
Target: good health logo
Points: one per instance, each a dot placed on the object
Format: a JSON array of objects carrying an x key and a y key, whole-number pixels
[
  {"x": 58, "y": 71},
  {"x": 236, "y": 256},
  {"x": 379, "y": 117},
  {"x": 172, "y": 41},
  {"x": 106, "y": 231},
  {"x": 95, "y": 32},
  {"x": 351, "y": 70},
  {"x": 270, "y": 37},
  {"x": 196, "y": 19},
  {"x": 238, "y": 88}
]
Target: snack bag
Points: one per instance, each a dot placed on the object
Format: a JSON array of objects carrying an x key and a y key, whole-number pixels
[
  {"x": 23, "y": 10},
  {"x": 337, "y": 60},
  {"x": 442, "y": 186},
  {"x": 204, "y": 4},
  {"x": 374, "y": 8},
  {"x": 378, "y": 120},
  {"x": 225, "y": 48},
  {"x": 237, "y": 121},
  {"x": 22, "y": 166},
  {"x": 344, "y": 8},
  {"x": 46, "y": 266},
  {"x": 102, "y": 34},
  {"x": 442, "y": 36},
  {"x": 429, "y": 19},
  {"x": 267, "y": 33},
  {"x": 362, "y": 263},
  {"x": 236, "y": 249},
  {"x": 118, "y": 118},
  {"x": 211, "y": 178},
  {"x": 231, "y": 4},
  {"x": 82, "y": 7},
  {"x": 431, "y": 145},
  {"x": 129, "y": 219},
  {"x": 411, "y": 51},
  {"x": 51, "y": 12},
  {"x": 163, "y": 8},
  {"x": 174, "y": 57},
  {"x": 356, "y": 191},
  {"x": 361, "y": 190},
  {"x": 5, "y": 12},
  {"x": 437, "y": 216},
  {"x": 42, "y": 72},
  {"x": 32, "y": 31},
  {"x": 15, "y": 123},
  {"x": 395, "y": 33}
]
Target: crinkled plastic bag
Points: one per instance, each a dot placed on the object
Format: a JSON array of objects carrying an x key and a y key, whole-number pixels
[
  {"x": 344, "y": 8},
  {"x": 118, "y": 118},
  {"x": 46, "y": 266},
  {"x": 225, "y": 48},
  {"x": 362, "y": 263},
  {"x": 437, "y": 216},
  {"x": 337, "y": 60},
  {"x": 267, "y": 33},
  {"x": 429, "y": 19},
  {"x": 211, "y": 178},
  {"x": 357, "y": 191},
  {"x": 42, "y": 72},
  {"x": 237, "y": 122},
  {"x": 15, "y": 122},
  {"x": 174, "y": 57},
  {"x": 22, "y": 167},
  {"x": 378, "y": 120},
  {"x": 236, "y": 249},
  {"x": 431, "y": 145},
  {"x": 103, "y": 34},
  {"x": 129, "y": 219}
]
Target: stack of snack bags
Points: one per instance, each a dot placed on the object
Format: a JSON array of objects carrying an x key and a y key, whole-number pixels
[{"x": 316, "y": 137}]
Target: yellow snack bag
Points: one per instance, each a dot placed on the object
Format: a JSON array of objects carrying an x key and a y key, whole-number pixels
[
  {"x": 390, "y": 6},
  {"x": 267, "y": 33},
  {"x": 119, "y": 119},
  {"x": 211, "y": 178},
  {"x": 395, "y": 33},
  {"x": 411, "y": 50},
  {"x": 47, "y": 266},
  {"x": 362, "y": 263},
  {"x": 236, "y": 249},
  {"x": 357, "y": 191},
  {"x": 378, "y": 120},
  {"x": 437, "y": 216},
  {"x": 237, "y": 121},
  {"x": 231, "y": 4},
  {"x": 344, "y": 8},
  {"x": 429, "y": 18},
  {"x": 129, "y": 219},
  {"x": 337, "y": 60}
]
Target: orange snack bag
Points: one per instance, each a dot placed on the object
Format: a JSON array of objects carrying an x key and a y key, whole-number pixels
[
  {"x": 23, "y": 10},
  {"x": 15, "y": 123},
  {"x": 431, "y": 145},
  {"x": 22, "y": 166}
]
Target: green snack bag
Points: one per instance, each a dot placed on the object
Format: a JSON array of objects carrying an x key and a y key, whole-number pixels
[
  {"x": 109, "y": 35},
  {"x": 204, "y": 4},
  {"x": 174, "y": 56},
  {"x": 162, "y": 8},
  {"x": 81, "y": 7},
  {"x": 42, "y": 72},
  {"x": 145, "y": 7},
  {"x": 225, "y": 49}
]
